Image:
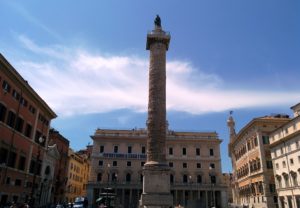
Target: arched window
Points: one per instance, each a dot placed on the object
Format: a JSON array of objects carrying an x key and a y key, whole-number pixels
[
  {"x": 99, "y": 177},
  {"x": 199, "y": 179},
  {"x": 286, "y": 180},
  {"x": 213, "y": 179},
  {"x": 128, "y": 177},
  {"x": 278, "y": 179},
  {"x": 171, "y": 178},
  {"x": 184, "y": 179},
  {"x": 294, "y": 177},
  {"x": 114, "y": 177}
]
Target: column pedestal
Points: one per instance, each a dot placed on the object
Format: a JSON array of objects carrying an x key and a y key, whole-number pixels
[{"x": 156, "y": 187}]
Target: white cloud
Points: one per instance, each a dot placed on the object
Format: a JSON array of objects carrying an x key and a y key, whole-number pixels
[{"x": 76, "y": 81}]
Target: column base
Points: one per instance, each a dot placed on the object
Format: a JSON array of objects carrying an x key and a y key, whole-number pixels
[{"x": 156, "y": 187}]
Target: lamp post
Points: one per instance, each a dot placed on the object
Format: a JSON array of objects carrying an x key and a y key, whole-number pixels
[{"x": 35, "y": 172}]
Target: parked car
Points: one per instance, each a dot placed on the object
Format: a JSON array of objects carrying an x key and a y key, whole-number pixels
[{"x": 80, "y": 202}]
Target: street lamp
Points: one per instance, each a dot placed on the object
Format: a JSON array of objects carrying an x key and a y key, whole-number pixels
[{"x": 35, "y": 172}]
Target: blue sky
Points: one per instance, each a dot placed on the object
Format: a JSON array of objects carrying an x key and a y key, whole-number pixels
[{"x": 88, "y": 61}]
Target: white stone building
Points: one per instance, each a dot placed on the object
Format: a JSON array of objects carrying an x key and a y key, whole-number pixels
[
  {"x": 194, "y": 158},
  {"x": 285, "y": 152}
]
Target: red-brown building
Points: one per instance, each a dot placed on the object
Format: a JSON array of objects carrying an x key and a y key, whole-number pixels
[
  {"x": 24, "y": 125},
  {"x": 61, "y": 168}
]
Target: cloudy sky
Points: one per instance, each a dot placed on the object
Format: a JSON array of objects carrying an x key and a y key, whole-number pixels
[{"x": 88, "y": 61}]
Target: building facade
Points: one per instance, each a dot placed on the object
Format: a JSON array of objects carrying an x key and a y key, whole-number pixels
[
  {"x": 24, "y": 125},
  {"x": 48, "y": 169},
  {"x": 61, "y": 167},
  {"x": 78, "y": 171},
  {"x": 253, "y": 179},
  {"x": 118, "y": 158},
  {"x": 227, "y": 179},
  {"x": 285, "y": 152}
]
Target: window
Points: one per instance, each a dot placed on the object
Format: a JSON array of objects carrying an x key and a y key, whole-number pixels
[
  {"x": 16, "y": 95},
  {"x": 28, "y": 130},
  {"x": 275, "y": 153},
  {"x": 128, "y": 177},
  {"x": 170, "y": 164},
  {"x": 171, "y": 178},
  {"x": 277, "y": 166},
  {"x": 128, "y": 163},
  {"x": 39, "y": 168},
  {"x": 38, "y": 134},
  {"x": 11, "y": 119},
  {"x": 212, "y": 179},
  {"x": 100, "y": 163},
  {"x": 129, "y": 150},
  {"x": 18, "y": 182},
  {"x": 31, "y": 109},
  {"x": 198, "y": 151},
  {"x": 183, "y": 151},
  {"x": 184, "y": 165},
  {"x": 19, "y": 124},
  {"x": 212, "y": 165},
  {"x": 272, "y": 188},
  {"x": 211, "y": 152},
  {"x": 116, "y": 149},
  {"x": 2, "y": 112},
  {"x": 269, "y": 164},
  {"x": 143, "y": 149},
  {"x": 297, "y": 144},
  {"x": 198, "y": 165},
  {"x": 32, "y": 166},
  {"x": 292, "y": 161},
  {"x": 12, "y": 159},
  {"x": 199, "y": 179},
  {"x": 289, "y": 147},
  {"x": 3, "y": 155},
  {"x": 114, "y": 177},
  {"x": 22, "y": 162},
  {"x": 101, "y": 149},
  {"x": 24, "y": 102},
  {"x": 283, "y": 164},
  {"x": 184, "y": 179},
  {"x": 115, "y": 163},
  {"x": 5, "y": 86},
  {"x": 255, "y": 141},
  {"x": 99, "y": 177},
  {"x": 265, "y": 139},
  {"x": 8, "y": 180},
  {"x": 170, "y": 151}
]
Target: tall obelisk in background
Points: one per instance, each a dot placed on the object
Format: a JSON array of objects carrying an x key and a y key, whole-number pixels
[{"x": 156, "y": 180}]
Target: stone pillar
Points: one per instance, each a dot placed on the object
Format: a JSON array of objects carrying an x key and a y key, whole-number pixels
[
  {"x": 156, "y": 180},
  {"x": 224, "y": 199}
]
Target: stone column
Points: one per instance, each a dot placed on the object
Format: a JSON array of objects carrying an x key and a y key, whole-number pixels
[
  {"x": 224, "y": 199},
  {"x": 156, "y": 180}
]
